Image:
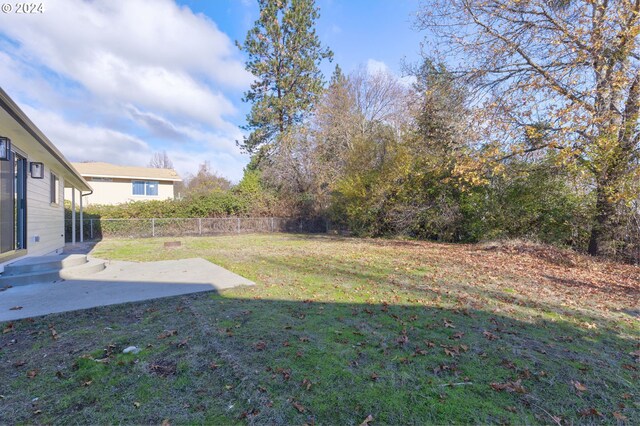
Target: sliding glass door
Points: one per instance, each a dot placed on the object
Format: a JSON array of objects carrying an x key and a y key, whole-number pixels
[
  {"x": 13, "y": 203},
  {"x": 21, "y": 202}
]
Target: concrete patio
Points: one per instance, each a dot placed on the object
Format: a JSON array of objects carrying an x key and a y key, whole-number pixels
[{"x": 119, "y": 282}]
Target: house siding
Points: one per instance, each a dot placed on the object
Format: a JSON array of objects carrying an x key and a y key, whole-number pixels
[
  {"x": 121, "y": 191},
  {"x": 45, "y": 221}
]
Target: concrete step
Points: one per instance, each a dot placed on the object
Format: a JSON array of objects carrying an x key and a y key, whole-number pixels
[
  {"x": 91, "y": 267},
  {"x": 30, "y": 278},
  {"x": 44, "y": 264},
  {"x": 58, "y": 270}
]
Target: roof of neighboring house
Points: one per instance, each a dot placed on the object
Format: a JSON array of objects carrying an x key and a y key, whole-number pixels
[
  {"x": 26, "y": 130},
  {"x": 99, "y": 169}
]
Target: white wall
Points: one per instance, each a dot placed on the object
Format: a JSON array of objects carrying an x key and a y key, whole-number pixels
[{"x": 120, "y": 191}]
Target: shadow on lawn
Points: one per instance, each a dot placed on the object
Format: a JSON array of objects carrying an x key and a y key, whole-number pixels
[{"x": 216, "y": 359}]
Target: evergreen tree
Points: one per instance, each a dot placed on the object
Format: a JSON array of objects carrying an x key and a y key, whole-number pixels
[{"x": 284, "y": 54}]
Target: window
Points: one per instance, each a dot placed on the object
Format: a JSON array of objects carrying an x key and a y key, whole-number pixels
[
  {"x": 141, "y": 187},
  {"x": 138, "y": 187},
  {"x": 152, "y": 188},
  {"x": 55, "y": 189}
]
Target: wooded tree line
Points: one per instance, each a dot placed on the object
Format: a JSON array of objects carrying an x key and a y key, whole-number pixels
[{"x": 525, "y": 123}]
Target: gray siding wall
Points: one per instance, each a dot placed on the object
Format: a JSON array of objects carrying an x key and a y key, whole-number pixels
[{"x": 44, "y": 220}]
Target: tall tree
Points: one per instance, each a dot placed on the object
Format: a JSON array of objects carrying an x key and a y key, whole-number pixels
[
  {"x": 562, "y": 76},
  {"x": 161, "y": 160},
  {"x": 284, "y": 54}
]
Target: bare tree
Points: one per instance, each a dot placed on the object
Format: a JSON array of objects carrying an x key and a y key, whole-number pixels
[
  {"x": 553, "y": 75},
  {"x": 206, "y": 181},
  {"x": 161, "y": 160}
]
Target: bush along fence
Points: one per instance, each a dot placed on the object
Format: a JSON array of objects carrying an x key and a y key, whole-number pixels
[{"x": 96, "y": 229}]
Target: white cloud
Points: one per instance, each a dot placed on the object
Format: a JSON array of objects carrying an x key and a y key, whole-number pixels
[
  {"x": 148, "y": 51},
  {"x": 82, "y": 142},
  {"x": 375, "y": 67},
  {"x": 115, "y": 70}
]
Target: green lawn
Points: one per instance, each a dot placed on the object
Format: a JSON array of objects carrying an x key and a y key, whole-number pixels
[{"x": 339, "y": 329}]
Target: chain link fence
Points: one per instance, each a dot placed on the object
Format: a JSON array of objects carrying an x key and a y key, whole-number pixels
[{"x": 96, "y": 229}]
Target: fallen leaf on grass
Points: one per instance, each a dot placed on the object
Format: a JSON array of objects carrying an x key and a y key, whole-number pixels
[
  {"x": 214, "y": 366},
  {"x": 15, "y": 308},
  {"x": 165, "y": 422},
  {"x": 54, "y": 333},
  {"x": 579, "y": 386},
  {"x": 32, "y": 373},
  {"x": 19, "y": 363},
  {"x": 403, "y": 339},
  {"x": 286, "y": 374},
  {"x": 304, "y": 339},
  {"x": 307, "y": 384},
  {"x": 454, "y": 350},
  {"x": 136, "y": 404},
  {"x": 590, "y": 412},
  {"x": 8, "y": 328},
  {"x": 619, "y": 416},
  {"x": 87, "y": 383},
  {"x": 298, "y": 406},
  {"x": 37, "y": 412},
  {"x": 167, "y": 333},
  {"x": 448, "y": 324},
  {"x": 260, "y": 346},
  {"x": 490, "y": 336},
  {"x": 509, "y": 387},
  {"x": 366, "y": 421}
]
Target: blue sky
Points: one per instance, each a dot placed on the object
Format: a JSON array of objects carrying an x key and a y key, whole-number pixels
[{"x": 117, "y": 80}]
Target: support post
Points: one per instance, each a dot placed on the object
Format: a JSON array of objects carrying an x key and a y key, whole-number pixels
[
  {"x": 238, "y": 225},
  {"x": 91, "y": 228},
  {"x": 81, "y": 220},
  {"x": 153, "y": 227},
  {"x": 199, "y": 226},
  {"x": 73, "y": 215}
]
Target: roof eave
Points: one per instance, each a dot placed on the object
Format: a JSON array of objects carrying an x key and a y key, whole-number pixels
[{"x": 21, "y": 118}]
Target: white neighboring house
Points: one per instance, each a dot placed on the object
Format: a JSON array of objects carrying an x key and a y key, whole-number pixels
[
  {"x": 113, "y": 184},
  {"x": 33, "y": 177}
]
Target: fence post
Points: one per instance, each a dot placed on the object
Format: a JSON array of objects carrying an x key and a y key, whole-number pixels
[
  {"x": 153, "y": 227},
  {"x": 91, "y": 227},
  {"x": 199, "y": 226},
  {"x": 273, "y": 229},
  {"x": 238, "y": 225}
]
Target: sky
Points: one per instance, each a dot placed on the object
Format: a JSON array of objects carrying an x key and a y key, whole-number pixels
[{"x": 117, "y": 80}]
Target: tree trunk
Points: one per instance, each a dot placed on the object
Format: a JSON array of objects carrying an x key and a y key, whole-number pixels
[{"x": 601, "y": 230}]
